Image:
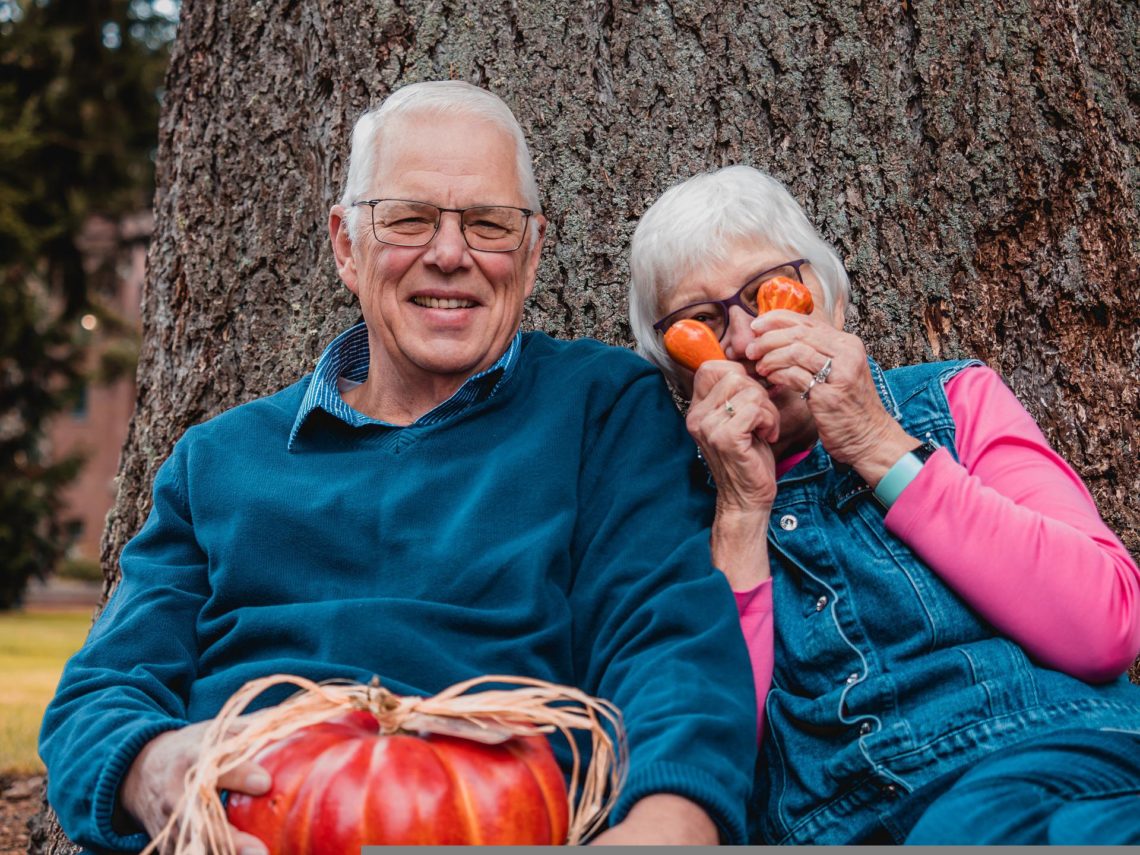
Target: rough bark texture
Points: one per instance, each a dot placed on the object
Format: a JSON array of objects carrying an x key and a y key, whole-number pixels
[{"x": 975, "y": 163}]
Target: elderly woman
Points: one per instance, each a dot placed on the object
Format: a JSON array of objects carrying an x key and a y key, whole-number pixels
[{"x": 939, "y": 620}]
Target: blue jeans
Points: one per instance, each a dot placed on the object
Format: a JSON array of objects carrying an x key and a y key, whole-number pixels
[{"x": 1070, "y": 787}]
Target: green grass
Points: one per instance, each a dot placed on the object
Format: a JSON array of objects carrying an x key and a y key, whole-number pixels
[{"x": 34, "y": 645}]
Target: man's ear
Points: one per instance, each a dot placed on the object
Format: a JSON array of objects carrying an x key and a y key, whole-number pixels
[
  {"x": 534, "y": 254},
  {"x": 341, "y": 238}
]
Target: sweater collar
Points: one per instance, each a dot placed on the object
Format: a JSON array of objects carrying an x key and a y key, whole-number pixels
[{"x": 347, "y": 356}]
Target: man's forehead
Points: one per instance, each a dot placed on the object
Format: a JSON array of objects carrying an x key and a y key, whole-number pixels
[
  {"x": 455, "y": 152},
  {"x": 449, "y": 134}
]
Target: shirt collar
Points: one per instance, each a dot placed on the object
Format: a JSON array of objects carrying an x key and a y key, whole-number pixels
[{"x": 348, "y": 355}]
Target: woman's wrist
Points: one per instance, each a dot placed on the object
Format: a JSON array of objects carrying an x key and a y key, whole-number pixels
[
  {"x": 740, "y": 546},
  {"x": 742, "y": 517},
  {"x": 884, "y": 453}
]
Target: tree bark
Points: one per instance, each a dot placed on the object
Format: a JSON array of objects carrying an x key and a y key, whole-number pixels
[{"x": 974, "y": 162}]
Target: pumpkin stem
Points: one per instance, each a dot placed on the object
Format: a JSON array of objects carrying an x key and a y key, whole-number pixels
[{"x": 389, "y": 710}]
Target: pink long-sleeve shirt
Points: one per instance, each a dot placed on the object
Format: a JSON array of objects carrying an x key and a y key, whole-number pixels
[{"x": 1014, "y": 531}]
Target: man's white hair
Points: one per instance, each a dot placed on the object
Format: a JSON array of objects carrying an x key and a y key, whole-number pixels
[
  {"x": 433, "y": 97},
  {"x": 697, "y": 223}
]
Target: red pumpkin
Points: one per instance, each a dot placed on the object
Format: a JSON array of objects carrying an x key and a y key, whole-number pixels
[{"x": 341, "y": 785}]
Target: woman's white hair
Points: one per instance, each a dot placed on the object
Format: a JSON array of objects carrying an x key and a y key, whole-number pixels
[
  {"x": 433, "y": 97},
  {"x": 697, "y": 223}
]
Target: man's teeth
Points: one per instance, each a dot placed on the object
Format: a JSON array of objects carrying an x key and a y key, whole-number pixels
[{"x": 440, "y": 303}]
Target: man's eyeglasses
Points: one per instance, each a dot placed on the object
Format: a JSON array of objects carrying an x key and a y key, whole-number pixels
[
  {"x": 714, "y": 313},
  {"x": 487, "y": 228}
]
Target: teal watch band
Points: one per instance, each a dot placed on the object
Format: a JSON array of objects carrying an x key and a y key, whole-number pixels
[{"x": 905, "y": 469}]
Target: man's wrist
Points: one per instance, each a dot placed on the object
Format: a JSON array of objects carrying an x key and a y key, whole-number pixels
[{"x": 686, "y": 821}]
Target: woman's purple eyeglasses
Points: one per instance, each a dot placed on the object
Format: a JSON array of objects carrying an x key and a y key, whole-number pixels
[{"x": 714, "y": 313}]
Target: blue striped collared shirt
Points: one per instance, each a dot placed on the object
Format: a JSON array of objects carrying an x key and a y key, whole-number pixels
[{"x": 347, "y": 356}]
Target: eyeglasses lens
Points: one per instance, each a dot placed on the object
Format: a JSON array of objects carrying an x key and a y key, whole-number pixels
[
  {"x": 491, "y": 228},
  {"x": 748, "y": 295},
  {"x": 709, "y": 314},
  {"x": 494, "y": 228}
]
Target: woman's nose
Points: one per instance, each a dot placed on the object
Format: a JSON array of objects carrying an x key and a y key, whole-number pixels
[{"x": 738, "y": 334}]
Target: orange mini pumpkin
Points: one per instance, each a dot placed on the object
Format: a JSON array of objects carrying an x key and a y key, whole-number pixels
[
  {"x": 691, "y": 343},
  {"x": 783, "y": 292}
]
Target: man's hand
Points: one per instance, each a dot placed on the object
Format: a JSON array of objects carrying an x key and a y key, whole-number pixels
[
  {"x": 156, "y": 780},
  {"x": 662, "y": 819}
]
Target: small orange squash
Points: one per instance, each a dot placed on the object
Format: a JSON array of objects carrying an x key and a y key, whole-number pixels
[
  {"x": 691, "y": 343},
  {"x": 783, "y": 292}
]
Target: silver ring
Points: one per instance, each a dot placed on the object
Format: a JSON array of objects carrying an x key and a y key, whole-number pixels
[
  {"x": 728, "y": 408},
  {"x": 823, "y": 373},
  {"x": 806, "y": 392}
]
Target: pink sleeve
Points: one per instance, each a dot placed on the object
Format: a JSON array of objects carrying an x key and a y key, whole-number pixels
[
  {"x": 1014, "y": 531},
  {"x": 755, "y": 608}
]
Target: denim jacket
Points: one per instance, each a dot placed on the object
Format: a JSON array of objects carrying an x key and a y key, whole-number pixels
[{"x": 885, "y": 679}]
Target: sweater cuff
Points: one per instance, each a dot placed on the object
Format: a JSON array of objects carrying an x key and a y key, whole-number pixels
[
  {"x": 110, "y": 781},
  {"x": 692, "y": 783}
]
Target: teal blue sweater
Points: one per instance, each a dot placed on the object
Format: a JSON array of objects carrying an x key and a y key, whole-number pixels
[{"x": 557, "y": 529}]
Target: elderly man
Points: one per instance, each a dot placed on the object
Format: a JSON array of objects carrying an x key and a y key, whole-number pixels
[{"x": 443, "y": 497}]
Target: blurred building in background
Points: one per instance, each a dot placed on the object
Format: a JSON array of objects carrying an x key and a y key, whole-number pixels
[{"x": 97, "y": 425}]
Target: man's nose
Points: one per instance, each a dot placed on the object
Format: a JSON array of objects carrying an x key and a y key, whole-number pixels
[
  {"x": 739, "y": 333},
  {"x": 448, "y": 249}
]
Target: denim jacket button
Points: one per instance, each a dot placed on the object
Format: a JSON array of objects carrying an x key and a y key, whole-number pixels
[
  {"x": 788, "y": 522},
  {"x": 820, "y": 603}
]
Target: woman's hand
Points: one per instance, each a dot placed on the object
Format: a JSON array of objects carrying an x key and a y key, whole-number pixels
[
  {"x": 853, "y": 425},
  {"x": 734, "y": 422}
]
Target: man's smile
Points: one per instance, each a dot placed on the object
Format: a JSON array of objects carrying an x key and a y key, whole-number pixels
[{"x": 444, "y": 303}]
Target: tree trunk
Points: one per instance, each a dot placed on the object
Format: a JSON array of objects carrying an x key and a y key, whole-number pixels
[{"x": 974, "y": 162}]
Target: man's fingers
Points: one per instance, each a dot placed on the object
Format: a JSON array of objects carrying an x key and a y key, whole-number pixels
[
  {"x": 248, "y": 778},
  {"x": 247, "y": 844},
  {"x": 253, "y": 780}
]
